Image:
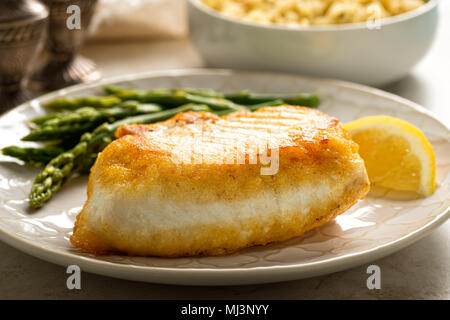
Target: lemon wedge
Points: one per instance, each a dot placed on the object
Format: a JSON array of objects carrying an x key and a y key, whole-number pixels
[{"x": 397, "y": 155}]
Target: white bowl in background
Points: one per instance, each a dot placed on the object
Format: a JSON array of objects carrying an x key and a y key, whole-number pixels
[{"x": 351, "y": 52}]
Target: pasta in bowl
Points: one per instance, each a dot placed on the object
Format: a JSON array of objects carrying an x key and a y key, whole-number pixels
[
  {"x": 312, "y": 12},
  {"x": 373, "y": 52}
]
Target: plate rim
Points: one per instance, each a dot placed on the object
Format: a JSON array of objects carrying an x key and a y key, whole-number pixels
[{"x": 209, "y": 276}]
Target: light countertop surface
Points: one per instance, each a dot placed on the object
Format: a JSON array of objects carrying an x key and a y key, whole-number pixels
[{"x": 421, "y": 271}]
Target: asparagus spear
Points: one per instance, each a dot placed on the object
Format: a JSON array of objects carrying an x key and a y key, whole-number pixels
[
  {"x": 247, "y": 97},
  {"x": 45, "y": 118},
  {"x": 164, "y": 97},
  {"x": 66, "y": 125},
  {"x": 55, "y": 173},
  {"x": 127, "y": 93},
  {"x": 73, "y": 124},
  {"x": 39, "y": 121},
  {"x": 59, "y": 169},
  {"x": 214, "y": 103},
  {"x": 79, "y": 102},
  {"x": 253, "y": 107},
  {"x": 33, "y": 156},
  {"x": 176, "y": 97}
]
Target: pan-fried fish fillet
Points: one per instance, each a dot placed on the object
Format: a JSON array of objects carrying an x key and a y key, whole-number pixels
[{"x": 179, "y": 188}]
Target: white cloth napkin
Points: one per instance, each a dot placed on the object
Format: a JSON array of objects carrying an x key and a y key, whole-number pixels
[{"x": 139, "y": 19}]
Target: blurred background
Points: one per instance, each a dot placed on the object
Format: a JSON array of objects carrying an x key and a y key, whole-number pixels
[{"x": 131, "y": 20}]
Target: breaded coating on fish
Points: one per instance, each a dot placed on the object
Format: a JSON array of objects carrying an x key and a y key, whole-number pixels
[{"x": 202, "y": 184}]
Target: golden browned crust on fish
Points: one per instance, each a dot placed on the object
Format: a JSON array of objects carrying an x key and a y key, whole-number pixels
[{"x": 143, "y": 202}]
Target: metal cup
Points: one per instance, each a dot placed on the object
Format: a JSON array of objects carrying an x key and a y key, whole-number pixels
[
  {"x": 64, "y": 67},
  {"x": 22, "y": 35}
]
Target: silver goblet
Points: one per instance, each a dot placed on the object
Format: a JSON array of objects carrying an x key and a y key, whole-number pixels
[
  {"x": 22, "y": 34},
  {"x": 64, "y": 67}
]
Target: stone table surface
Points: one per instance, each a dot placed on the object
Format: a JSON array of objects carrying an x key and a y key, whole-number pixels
[{"x": 420, "y": 271}]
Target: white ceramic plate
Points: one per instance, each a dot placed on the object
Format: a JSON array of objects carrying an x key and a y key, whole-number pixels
[{"x": 373, "y": 228}]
